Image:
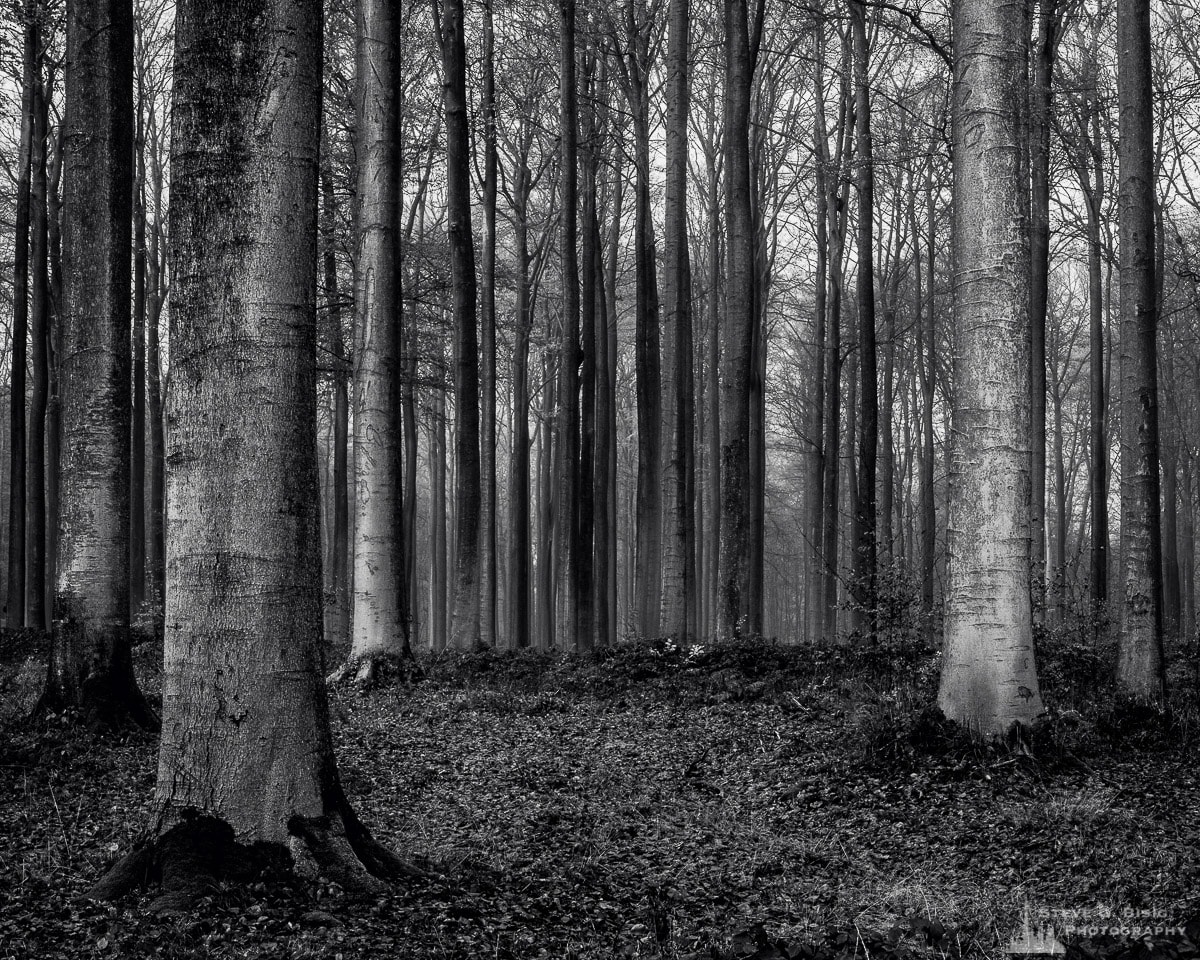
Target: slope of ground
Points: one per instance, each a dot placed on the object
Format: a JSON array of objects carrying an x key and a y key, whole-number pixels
[{"x": 652, "y": 807}]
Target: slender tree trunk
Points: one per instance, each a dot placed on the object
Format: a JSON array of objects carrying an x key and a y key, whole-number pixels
[
  {"x": 519, "y": 626},
  {"x": 467, "y": 491},
  {"x": 137, "y": 463},
  {"x": 566, "y": 460},
  {"x": 15, "y": 613},
  {"x": 928, "y": 379},
  {"x": 817, "y": 449},
  {"x": 606, "y": 416},
  {"x": 1140, "y": 663},
  {"x": 678, "y": 618},
  {"x": 90, "y": 666},
  {"x": 379, "y": 626},
  {"x": 437, "y": 510},
  {"x": 734, "y": 616},
  {"x": 337, "y": 615},
  {"x": 39, "y": 313},
  {"x": 156, "y": 550},
  {"x": 864, "y": 539},
  {"x": 989, "y": 680},
  {"x": 1040, "y": 102},
  {"x": 648, "y": 557},
  {"x": 487, "y": 330}
]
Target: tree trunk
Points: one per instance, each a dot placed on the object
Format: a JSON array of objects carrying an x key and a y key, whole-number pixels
[
  {"x": 90, "y": 666},
  {"x": 864, "y": 541},
  {"x": 467, "y": 492},
  {"x": 928, "y": 379},
  {"x": 678, "y": 617},
  {"x": 734, "y": 616},
  {"x": 487, "y": 328},
  {"x": 379, "y": 626},
  {"x": 337, "y": 615},
  {"x": 566, "y": 447},
  {"x": 989, "y": 680},
  {"x": 246, "y": 737},
  {"x": 1140, "y": 662},
  {"x": 519, "y": 625},
  {"x": 15, "y": 599},
  {"x": 648, "y": 557},
  {"x": 137, "y": 459},
  {"x": 1040, "y": 102},
  {"x": 39, "y": 330}
]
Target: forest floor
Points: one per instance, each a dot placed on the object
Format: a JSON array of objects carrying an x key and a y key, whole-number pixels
[{"x": 752, "y": 801}]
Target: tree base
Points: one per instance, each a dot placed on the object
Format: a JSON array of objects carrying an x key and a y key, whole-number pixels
[
  {"x": 103, "y": 706},
  {"x": 191, "y": 859},
  {"x": 373, "y": 671}
]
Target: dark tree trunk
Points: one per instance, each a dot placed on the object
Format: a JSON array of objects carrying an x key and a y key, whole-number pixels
[
  {"x": 467, "y": 492},
  {"x": 39, "y": 331},
  {"x": 1140, "y": 665},
  {"x": 487, "y": 330},
  {"x": 15, "y": 612},
  {"x": 864, "y": 539}
]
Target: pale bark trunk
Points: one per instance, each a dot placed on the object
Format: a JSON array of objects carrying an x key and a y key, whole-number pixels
[
  {"x": 90, "y": 665},
  {"x": 246, "y": 734},
  {"x": 989, "y": 680},
  {"x": 1140, "y": 661},
  {"x": 379, "y": 627}
]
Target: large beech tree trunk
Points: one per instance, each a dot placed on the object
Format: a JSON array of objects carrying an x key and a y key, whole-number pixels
[
  {"x": 1140, "y": 661},
  {"x": 246, "y": 737},
  {"x": 989, "y": 681},
  {"x": 90, "y": 666},
  {"x": 379, "y": 626}
]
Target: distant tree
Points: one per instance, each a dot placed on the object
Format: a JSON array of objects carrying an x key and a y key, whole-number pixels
[{"x": 379, "y": 622}]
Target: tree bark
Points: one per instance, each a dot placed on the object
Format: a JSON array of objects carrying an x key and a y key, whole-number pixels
[
  {"x": 379, "y": 625},
  {"x": 39, "y": 331},
  {"x": 15, "y": 598},
  {"x": 467, "y": 485},
  {"x": 337, "y": 615},
  {"x": 734, "y": 616},
  {"x": 1140, "y": 661},
  {"x": 1040, "y": 103},
  {"x": 137, "y": 462},
  {"x": 989, "y": 680},
  {"x": 90, "y": 666},
  {"x": 677, "y": 615},
  {"x": 246, "y": 736},
  {"x": 566, "y": 448},
  {"x": 488, "y": 635},
  {"x": 864, "y": 539}
]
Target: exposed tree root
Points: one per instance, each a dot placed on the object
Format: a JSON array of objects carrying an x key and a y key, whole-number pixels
[
  {"x": 376, "y": 670},
  {"x": 189, "y": 860}
]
